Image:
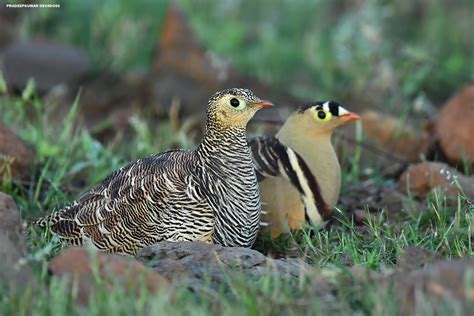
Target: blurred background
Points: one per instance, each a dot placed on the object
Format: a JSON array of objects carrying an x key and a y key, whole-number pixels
[
  {"x": 310, "y": 49},
  {"x": 135, "y": 76},
  {"x": 370, "y": 51}
]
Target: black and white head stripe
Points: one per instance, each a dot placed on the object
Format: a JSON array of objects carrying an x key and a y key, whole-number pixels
[{"x": 334, "y": 108}]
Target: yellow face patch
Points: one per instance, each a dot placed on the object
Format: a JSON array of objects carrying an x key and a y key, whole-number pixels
[{"x": 322, "y": 116}]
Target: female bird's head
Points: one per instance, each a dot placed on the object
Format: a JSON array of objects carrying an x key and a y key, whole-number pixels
[
  {"x": 322, "y": 117},
  {"x": 233, "y": 108}
]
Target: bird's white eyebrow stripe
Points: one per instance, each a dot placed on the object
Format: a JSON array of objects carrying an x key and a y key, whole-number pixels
[{"x": 326, "y": 106}]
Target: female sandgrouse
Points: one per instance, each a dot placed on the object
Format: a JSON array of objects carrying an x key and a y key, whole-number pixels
[
  {"x": 208, "y": 194},
  {"x": 298, "y": 167}
]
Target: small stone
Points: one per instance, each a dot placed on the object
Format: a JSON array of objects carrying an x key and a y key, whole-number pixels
[
  {"x": 423, "y": 177},
  {"x": 398, "y": 205},
  {"x": 415, "y": 258},
  {"x": 14, "y": 152},
  {"x": 362, "y": 217},
  {"x": 397, "y": 139},
  {"x": 455, "y": 128},
  {"x": 79, "y": 265}
]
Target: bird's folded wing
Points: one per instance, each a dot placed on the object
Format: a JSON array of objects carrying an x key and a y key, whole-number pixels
[
  {"x": 265, "y": 156},
  {"x": 270, "y": 158},
  {"x": 129, "y": 193}
]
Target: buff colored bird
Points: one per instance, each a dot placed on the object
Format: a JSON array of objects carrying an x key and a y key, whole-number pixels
[{"x": 298, "y": 170}]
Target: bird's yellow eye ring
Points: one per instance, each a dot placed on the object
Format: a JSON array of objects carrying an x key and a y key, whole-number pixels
[
  {"x": 237, "y": 104},
  {"x": 322, "y": 115}
]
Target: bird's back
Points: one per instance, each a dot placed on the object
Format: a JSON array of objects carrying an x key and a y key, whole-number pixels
[{"x": 147, "y": 200}]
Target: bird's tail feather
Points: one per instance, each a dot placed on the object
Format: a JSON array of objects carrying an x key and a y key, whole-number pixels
[{"x": 47, "y": 220}]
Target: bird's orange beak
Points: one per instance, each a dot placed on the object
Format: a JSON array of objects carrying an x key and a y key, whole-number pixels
[
  {"x": 349, "y": 117},
  {"x": 264, "y": 104}
]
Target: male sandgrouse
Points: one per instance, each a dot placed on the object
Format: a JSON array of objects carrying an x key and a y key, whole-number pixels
[
  {"x": 208, "y": 194},
  {"x": 298, "y": 169}
]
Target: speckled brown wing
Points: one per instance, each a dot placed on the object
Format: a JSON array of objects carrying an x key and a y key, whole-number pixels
[{"x": 135, "y": 206}]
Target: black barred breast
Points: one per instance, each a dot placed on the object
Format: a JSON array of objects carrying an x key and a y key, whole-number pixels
[{"x": 235, "y": 196}]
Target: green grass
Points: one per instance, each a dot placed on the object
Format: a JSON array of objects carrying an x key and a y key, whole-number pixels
[
  {"x": 70, "y": 160},
  {"x": 245, "y": 297},
  {"x": 323, "y": 49},
  {"x": 116, "y": 34}
]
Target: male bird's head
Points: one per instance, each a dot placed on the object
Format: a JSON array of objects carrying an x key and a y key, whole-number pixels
[
  {"x": 322, "y": 117},
  {"x": 234, "y": 107}
]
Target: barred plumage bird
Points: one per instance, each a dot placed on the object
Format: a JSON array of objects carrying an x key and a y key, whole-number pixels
[
  {"x": 208, "y": 194},
  {"x": 298, "y": 169}
]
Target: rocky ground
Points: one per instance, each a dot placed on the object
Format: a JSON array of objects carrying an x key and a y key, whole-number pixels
[{"x": 420, "y": 274}]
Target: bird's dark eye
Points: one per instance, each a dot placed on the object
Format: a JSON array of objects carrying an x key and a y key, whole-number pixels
[
  {"x": 321, "y": 115},
  {"x": 234, "y": 102}
]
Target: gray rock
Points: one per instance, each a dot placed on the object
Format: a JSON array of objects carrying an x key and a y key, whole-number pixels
[
  {"x": 201, "y": 263},
  {"x": 448, "y": 283},
  {"x": 50, "y": 64},
  {"x": 10, "y": 219},
  {"x": 17, "y": 152},
  {"x": 416, "y": 257},
  {"x": 14, "y": 272}
]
